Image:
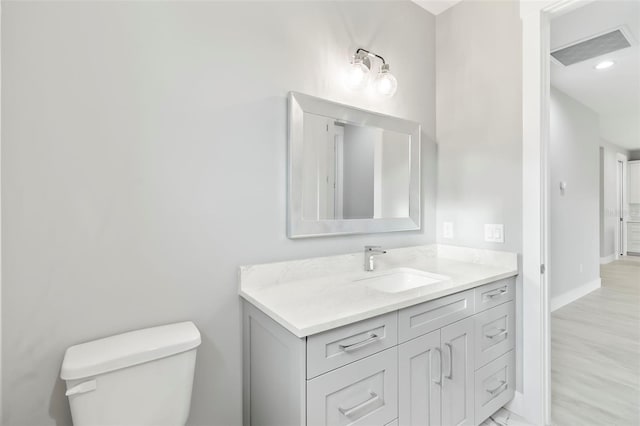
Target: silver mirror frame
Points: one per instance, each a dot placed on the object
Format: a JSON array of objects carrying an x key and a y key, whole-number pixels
[{"x": 299, "y": 228}]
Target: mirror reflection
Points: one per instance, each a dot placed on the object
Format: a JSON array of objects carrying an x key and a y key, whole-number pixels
[{"x": 353, "y": 172}]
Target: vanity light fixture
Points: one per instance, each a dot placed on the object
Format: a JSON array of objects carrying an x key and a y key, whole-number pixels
[
  {"x": 385, "y": 83},
  {"x": 604, "y": 65},
  {"x": 358, "y": 75}
]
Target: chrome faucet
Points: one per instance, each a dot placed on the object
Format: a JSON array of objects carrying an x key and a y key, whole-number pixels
[{"x": 369, "y": 252}]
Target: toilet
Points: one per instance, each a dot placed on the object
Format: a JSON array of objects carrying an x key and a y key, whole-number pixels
[{"x": 141, "y": 378}]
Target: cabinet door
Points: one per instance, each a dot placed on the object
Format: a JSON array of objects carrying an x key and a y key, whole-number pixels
[
  {"x": 419, "y": 381},
  {"x": 458, "y": 373}
]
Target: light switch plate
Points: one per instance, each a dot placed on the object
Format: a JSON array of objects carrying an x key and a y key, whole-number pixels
[
  {"x": 494, "y": 232},
  {"x": 447, "y": 230}
]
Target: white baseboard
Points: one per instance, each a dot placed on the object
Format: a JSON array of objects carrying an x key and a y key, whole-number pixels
[
  {"x": 607, "y": 259},
  {"x": 575, "y": 294},
  {"x": 516, "y": 405}
]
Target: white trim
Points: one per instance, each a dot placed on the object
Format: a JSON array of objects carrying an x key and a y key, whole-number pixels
[
  {"x": 625, "y": 206},
  {"x": 607, "y": 259},
  {"x": 516, "y": 405},
  {"x": 535, "y": 334},
  {"x": 575, "y": 294},
  {"x": 1, "y": 412},
  {"x": 536, "y": 380}
]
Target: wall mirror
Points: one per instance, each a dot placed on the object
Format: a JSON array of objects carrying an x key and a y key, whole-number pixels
[{"x": 351, "y": 171}]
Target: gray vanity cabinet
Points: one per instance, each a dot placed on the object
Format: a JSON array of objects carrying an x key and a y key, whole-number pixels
[
  {"x": 436, "y": 377},
  {"x": 445, "y": 362},
  {"x": 420, "y": 381},
  {"x": 457, "y": 373}
]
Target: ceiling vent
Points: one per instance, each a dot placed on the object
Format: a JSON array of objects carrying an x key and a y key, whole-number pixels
[{"x": 591, "y": 48}]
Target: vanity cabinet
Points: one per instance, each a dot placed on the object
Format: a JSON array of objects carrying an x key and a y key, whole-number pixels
[
  {"x": 448, "y": 361},
  {"x": 436, "y": 377}
]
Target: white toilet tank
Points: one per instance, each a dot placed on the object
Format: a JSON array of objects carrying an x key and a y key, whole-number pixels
[{"x": 141, "y": 378}]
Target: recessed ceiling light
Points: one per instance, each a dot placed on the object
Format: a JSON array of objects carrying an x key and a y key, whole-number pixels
[{"x": 604, "y": 65}]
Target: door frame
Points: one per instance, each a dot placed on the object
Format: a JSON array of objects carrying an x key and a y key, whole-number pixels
[
  {"x": 621, "y": 202},
  {"x": 534, "y": 402}
]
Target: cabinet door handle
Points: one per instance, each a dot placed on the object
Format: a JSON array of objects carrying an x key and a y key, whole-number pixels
[
  {"x": 372, "y": 338},
  {"x": 503, "y": 385},
  {"x": 348, "y": 412},
  {"x": 450, "y": 348},
  {"x": 437, "y": 381},
  {"x": 496, "y": 292},
  {"x": 500, "y": 332}
]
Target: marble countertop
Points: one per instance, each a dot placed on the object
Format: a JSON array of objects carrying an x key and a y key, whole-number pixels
[{"x": 314, "y": 295}]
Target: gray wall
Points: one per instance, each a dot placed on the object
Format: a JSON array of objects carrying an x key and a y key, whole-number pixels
[
  {"x": 634, "y": 155},
  {"x": 609, "y": 215},
  {"x": 574, "y": 257},
  {"x": 479, "y": 124},
  {"x": 144, "y": 159}
]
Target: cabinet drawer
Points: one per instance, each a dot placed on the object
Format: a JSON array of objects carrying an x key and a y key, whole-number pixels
[
  {"x": 494, "y": 333},
  {"x": 495, "y": 385},
  {"x": 335, "y": 348},
  {"x": 633, "y": 227},
  {"x": 633, "y": 237},
  {"x": 426, "y": 317},
  {"x": 362, "y": 393},
  {"x": 494, "y": 294}
]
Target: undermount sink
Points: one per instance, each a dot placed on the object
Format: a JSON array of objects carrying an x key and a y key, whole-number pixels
[{"x": 401, "y": 279}]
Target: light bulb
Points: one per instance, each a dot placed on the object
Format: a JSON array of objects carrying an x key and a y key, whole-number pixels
[
  {"x": 604, "y": 65},
  {"x": 358, "y": 74},
  {"x": 386, "y": 84}
]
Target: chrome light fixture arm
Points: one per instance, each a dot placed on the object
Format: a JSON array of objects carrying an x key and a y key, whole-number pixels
[{"x": 369, "y": 53}]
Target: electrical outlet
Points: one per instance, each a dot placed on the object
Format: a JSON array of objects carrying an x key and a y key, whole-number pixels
[
  {"x": 447, "y": 230},
  {"x": 494, "y": 233}
]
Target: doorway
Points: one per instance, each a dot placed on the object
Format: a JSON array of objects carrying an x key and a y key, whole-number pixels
[{"x": 620, "y": 207}]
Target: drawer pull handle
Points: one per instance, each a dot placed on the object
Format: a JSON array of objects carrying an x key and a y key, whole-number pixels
[
  {"x": 499, "y": 333},
  {"x": 496, "y": 292},
  {"x": 437, "y": 381},
  {"x": 450, "y": 375},
  {"x": 502, "y": 386},
  {"x": 348, "y": 412},
  {"x": 372, "y": 338}
]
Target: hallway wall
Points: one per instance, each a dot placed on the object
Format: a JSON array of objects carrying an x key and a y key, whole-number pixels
[{"x": 574, "y": 258}]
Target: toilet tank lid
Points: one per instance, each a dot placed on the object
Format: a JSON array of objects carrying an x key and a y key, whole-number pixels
[{"x": 128, "y": 349}]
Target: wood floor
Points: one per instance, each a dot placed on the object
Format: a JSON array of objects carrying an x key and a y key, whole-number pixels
[{"x": 595, "y": 352}]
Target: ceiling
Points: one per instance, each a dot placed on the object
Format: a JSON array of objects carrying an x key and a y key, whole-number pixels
[
  {"x": 613, "y": 93},
  {"x": 436, "y": 6}
]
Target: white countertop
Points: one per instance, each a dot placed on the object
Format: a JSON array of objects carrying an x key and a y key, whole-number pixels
[{"x": 314, "y": 295}]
